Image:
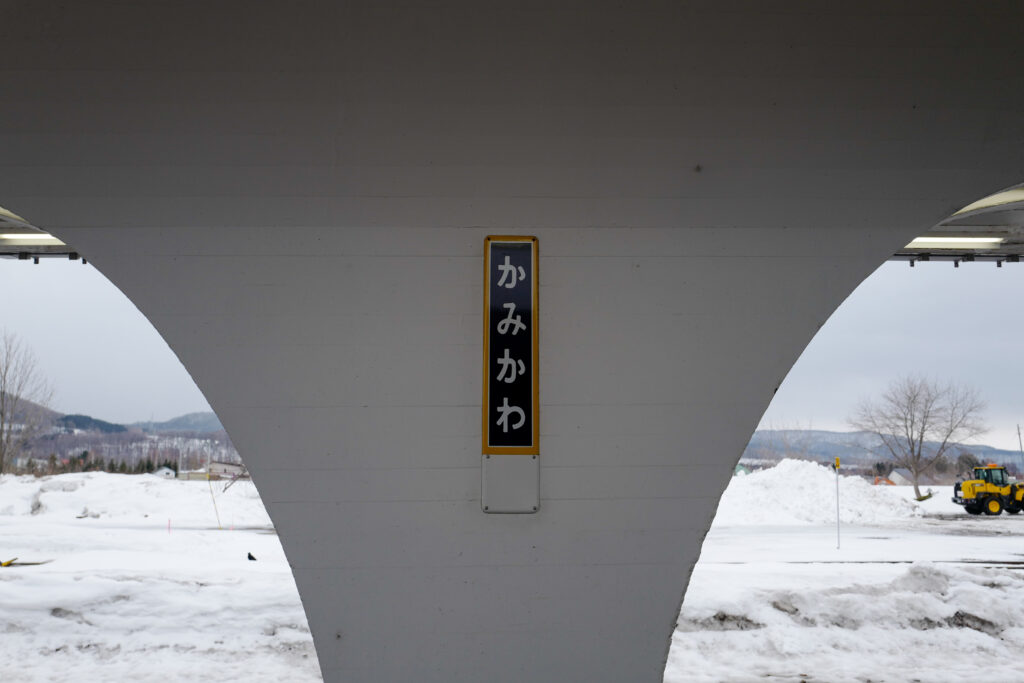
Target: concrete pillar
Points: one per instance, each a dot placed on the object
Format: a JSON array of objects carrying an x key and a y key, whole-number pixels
[{"x": 297, "y": 194}]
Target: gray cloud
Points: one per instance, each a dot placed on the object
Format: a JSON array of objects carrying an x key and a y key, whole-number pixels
[
  {"x": 101, "y": 354},
  {"x": 961, "y": 324}
]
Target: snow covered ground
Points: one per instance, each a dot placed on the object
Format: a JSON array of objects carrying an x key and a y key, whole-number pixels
[
  {"x": 916, "y": 591},
  {"x": 127, "y": 599}
]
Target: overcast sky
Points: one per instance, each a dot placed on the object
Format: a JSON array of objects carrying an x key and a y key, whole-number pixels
[
  {"x": 963, "y": 324},
  {"x": 101, "y": 355}
]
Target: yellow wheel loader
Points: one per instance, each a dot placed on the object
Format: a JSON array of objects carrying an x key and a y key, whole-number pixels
[{"x": 990, "y": 491}]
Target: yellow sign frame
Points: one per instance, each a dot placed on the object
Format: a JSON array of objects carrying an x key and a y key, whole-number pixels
[{"x": 486, "y": 448}]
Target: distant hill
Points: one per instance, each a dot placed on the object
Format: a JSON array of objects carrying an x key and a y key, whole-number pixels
[
  {"x": 861, "y": 448},
  {"x": 201, "y": 423},
  {"x": 193, "y": 422},
  {"x": 26, "y": 407},
  {"x": 80, "y": 441},
  {"x": 89, "y": 424}
]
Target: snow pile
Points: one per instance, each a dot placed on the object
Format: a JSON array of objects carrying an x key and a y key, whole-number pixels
[
  {"x": 915, "y": 592},
  {"x": 800, "y": 492},
  {"x": 927, "y": 623},
  {"x": 100, "y": 495}
]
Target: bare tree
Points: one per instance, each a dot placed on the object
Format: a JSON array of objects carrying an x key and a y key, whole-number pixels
[
  {"x": 24, "y": 396},
  {"x": 918, "y": 420}
]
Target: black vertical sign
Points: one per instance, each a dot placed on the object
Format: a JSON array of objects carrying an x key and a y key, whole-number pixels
[{"x": 510, "y": 404}]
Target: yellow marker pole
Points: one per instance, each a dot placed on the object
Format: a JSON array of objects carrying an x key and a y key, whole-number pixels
[{"x": 837, "y": 502}]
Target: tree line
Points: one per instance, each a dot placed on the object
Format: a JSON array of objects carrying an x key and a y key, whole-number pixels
[{"x": 86, "y": 462}]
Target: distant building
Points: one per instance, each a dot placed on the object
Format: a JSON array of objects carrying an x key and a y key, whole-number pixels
[
  {"x": 164, "y": 473},
  {"x": 217, "y": 470},
  {"x": 227, "y": 470},
  {"x": 900, "y": 478}
]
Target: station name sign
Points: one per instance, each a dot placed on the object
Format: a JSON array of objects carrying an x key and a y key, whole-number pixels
[{"x": 511, "y": 409}]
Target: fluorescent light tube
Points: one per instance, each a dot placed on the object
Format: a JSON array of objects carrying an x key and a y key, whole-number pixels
[
  {"x": 28, "y": 236},
  {"x": 955, "y": 243}
]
